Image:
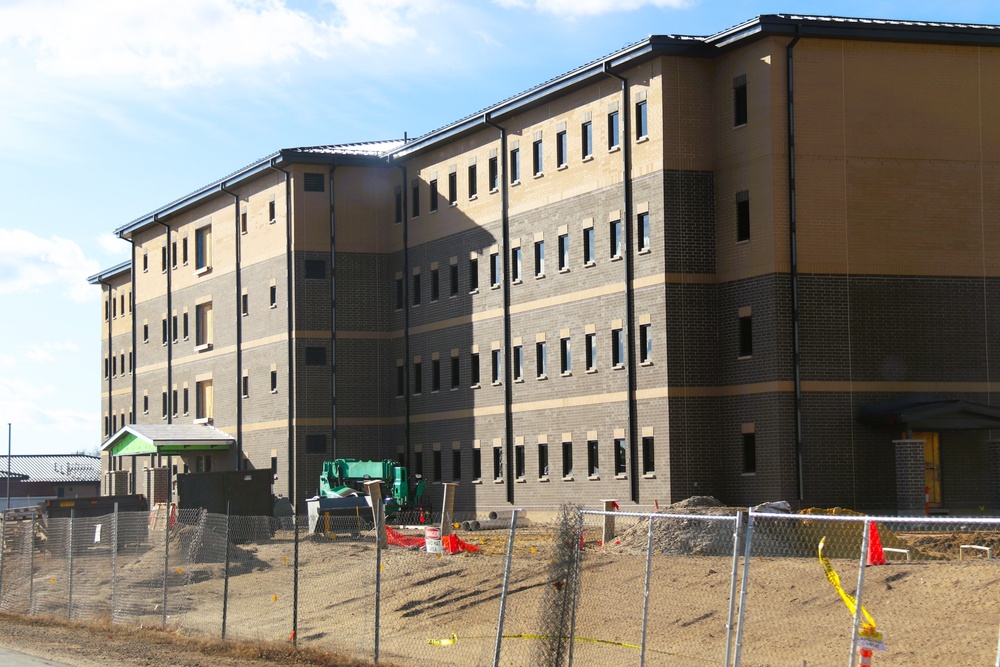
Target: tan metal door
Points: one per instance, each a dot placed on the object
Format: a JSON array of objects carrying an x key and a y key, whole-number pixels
[{"x": 932, "y": 466}]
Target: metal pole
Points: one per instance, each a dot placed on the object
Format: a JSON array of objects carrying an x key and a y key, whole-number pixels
[
  {"x": 997, "y": 663},
  {"x": 166, "y": 561},
  {"x": 3, "y": 547},
  {"x": 576, "y": 590},
  {"x": 379, "y": 538},
  {"x": 505, "y": 587},
  {"x": 225, "y": 579},
  {"x": 69, "y": 543},
  {"x": 114, "y": 562},
  {"x": 862, "y": 561},
  {"x": 732, "y": 586},
  {"x": 295, "y": 585},
  {"x": 743, "y": 590},
  {"x": 7, "y": 506},
  {"x": 645, "y": 595},
  {"x": 31, "y": 568}
]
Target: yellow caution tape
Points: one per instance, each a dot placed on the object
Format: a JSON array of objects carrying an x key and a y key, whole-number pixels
[
  {"x": 443, "y": 642},
  {"x": 868, "y": 625},
  {"x": 454, "y": 638}
]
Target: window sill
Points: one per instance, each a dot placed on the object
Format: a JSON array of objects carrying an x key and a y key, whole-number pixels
[
  {"x": 516, "y": 183},
  {"x": 589, "y": 158},
  {"x": 498, "y": 481},
  {"x": 453, "y": 296},
  {"x": 748, "y": 474},
  {"x": 454, "y": 389},
  {"x": 273, "y": 305},
  {"x": 643, "y": 139},
  {"x": 567, "y": 374},
  {"x": 567, "y": 478},
  {"x": 540, "y": 174},
  {"x": 518, "y": 380},
  {"x": 272, "y": 221},
  {"x": 614, "y": 149},
  {"x": 742, "y": 241},
  {"x": 744, "y": 357},
  {"x": 591, "y": 370},
  {"x": 593, "y": 478},
  {"x": 645, "y": 251},
  {"x": 739, "y": 126},
  {"x": 452, "y": 204},
  {"x": 543, "y": 479},
  {"x": 562, "y": 167},
  {"x": 618, "y": 367},
  {"x": 432, "y": 211},
  {"x": 539, "y": 276},
  {"x": 496, "y": 286},
  {"x": 564, "y": 270},
  {"x": 418, "y": 393},
  {"x": 542, "y": 377},
  {"x": 621, "y": 476},
  {"x": 588, "y": 265},
  {"x": 203, "y": 270},
  {"x": 145, "y": 412},
  {"x": 497, "y": 384},
  {"x": 649, "y": 475},
  {"x": 274, "y": 391},
  {"x": 520, "y": 480},
  {"x": 474, "y": 291},
  {"x": 202, "y": 420},
  {"x": 473, "y": 197},
  {"x": 517, "y": 281},
  {"x": 616, "y": 258},
  {"x": 204, "y": 347},
  {"x": 434, "y": 391},
  {"x": 645, "y": 363},
  {"x": 416, "y": 305},
  {"x": 476, "y": 481},
  {"x": 476, "y": 386},
  {"x": 493, "y": 191}
]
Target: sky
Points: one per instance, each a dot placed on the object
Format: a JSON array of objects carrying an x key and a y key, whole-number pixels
[{"x": 112, "y": 108}]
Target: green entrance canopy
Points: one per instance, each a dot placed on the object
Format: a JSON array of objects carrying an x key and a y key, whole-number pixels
[{"x": 167, "y": 439}]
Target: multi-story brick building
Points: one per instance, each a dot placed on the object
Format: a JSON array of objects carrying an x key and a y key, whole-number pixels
[{"x": 700, "y": 265}]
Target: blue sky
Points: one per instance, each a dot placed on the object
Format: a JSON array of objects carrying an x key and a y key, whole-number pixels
[{"x": 111, "y": 108}]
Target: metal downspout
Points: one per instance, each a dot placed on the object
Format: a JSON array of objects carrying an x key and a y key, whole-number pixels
[
  {"x": 406, "y": 318},
  {"x": 633, "y": 416},
  {"x": 333, "y": 317},
  {"x": 239, "y": 325},
  {"x": 290, "y": 306},
  {"x": 170, "y": 325},
  {"x": 796, "y": 355},
  {"x": 508, "y": 385},
  {"x": 107, "y": 368},
  {"x": 135, "y": 349}
]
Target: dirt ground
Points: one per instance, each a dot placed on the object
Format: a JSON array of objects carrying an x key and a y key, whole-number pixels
[{"x": 443, "y": 610}]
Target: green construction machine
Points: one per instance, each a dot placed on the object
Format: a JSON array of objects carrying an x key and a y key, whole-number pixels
[{"x": 345, "y": 478}]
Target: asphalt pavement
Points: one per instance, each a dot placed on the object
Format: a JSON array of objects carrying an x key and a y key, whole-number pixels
[{"x": 10, "y": 658}]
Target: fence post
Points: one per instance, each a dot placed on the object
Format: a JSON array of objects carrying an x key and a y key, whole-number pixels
[
  {"x": 114, "y": 562},
  {"x": 576, "y": 588},
  {"x": 295, "y": 585},
  {"x": 737, "y": 523},
  {"x": 380, "y": 537},
  {"x": 504, "y": 588},
  {"x": 31, "y": 566},
  {"x": 225, "y": 576},
  {"x": 743, "y": 590},
  {"x": 166, "y": 561},
  {"x": 645, "y": 596},
  {"x": 862, "y": 561},
  {"x": 3, "y": 548}
]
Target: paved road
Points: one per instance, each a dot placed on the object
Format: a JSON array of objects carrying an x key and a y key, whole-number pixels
[{"x": 9, "y": 658}]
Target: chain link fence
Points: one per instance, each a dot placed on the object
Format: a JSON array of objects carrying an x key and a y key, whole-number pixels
[{"x": 681, "y": 586}]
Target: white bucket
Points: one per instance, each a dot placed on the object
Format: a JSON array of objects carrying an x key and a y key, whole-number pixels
[{"x": 432, "y": 540}]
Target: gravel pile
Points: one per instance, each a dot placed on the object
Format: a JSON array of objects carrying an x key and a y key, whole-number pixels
[{"x": 677, "y": 535}]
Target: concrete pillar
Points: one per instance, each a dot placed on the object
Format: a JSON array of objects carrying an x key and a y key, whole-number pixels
[{"x": 909, "y": 477}]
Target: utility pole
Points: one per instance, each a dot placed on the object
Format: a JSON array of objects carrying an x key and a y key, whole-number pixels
[{"x": 7, "y": 506}]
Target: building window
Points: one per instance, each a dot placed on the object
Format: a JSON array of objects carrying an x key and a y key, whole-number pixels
[
  {"x": 593, "y": 469},
  {"x": 398, "y": 199},
  {"x": 416, "y": 289},
  {"x": 174, "y": 328},
  {"x": 543, "y": 460},
  {"x": 273, "y": 296},
  {"x": 315, "y": 269},
  {"x": 272, "y": 211},
  {"x": 434, "y": 195},
  {"x": 498, "y": 463},
  {"x": 539, "y": 259},
  {"x": 648, "y": 457},
  {"x": 399, "y": 293},
  {"x": 315, "y": 356},
  {"x": 561, "y": 146},
  {"x": 613, "y": 138},
  {"x": 645, "y": 344},
  {"x": 435, "y": 285},
  {"x": 641, "y": 120},
  {"x": 494, "y": 169},
  {"x": 518, "y": 369},
  {"x": 518, "y": 461},
  {"x": 473, "y": 275},
  {"x": 494, "y": 269},
  {"x": 588, "y": 246},
  {"x": 620, "y": 457},
  {"x": 174, "y": 401},
  {"x": 477, "y": 464},
  {"x": 474, "y": 369},
  {"x": 418, "y": 464},
  {"x": 203, "y": 247},
  {"x": 274, "y": 382},
  {"x": 312, "y": 182},
  {"x": 453, "y": 272},
  {"x": 536, "y": 158},
  {"x": 746, "y": 336},
  {"x": 145, "y": 262},
  {"x": 435, "y": 375},
  {"x": 245, "y": 385},
  {"x": 173, "y": 254},
  {"x": 642, "y": 231},
  {"x": 453, "y": 188},
  {"x": 455, "y": 372},
  {"x": 740, "y": 100},
  {"x": 145, "y": 333},
  {"x": 743, "y": 216},
  {"x": 164, "y": 399},
  {"x": 415, "y": 199},
  {"x": 565, "y": 356},
  {"x": 456, "y": 465},
  {"x": 749, "y": 452},
  {"x": 107, "y": 368},
  {"x": 243, "y": 230},
  {"x": 418, "y": 378},
  {"x": 163, "y": 259},
  {"x": 515, "y": 165},
  {"x": 563, "y": 252},
  {"x": 114, "y": 428},
  {"x": 145, "y": 404},
  {"x": 316, "y": 443},
  {"x": 515, "y": 264},
  {"x": 617, "y": 348},
  {"x": 436, "y": 461},
  {"x": 400, "y": 380},
  {"x": 567, "y": 459},
  {"x": 616, "y": 239},
  {"x": 590, "y": 344},
  {"x": 244, "y": 309},
  {"x": 587, "y": 140},
  {"x": 203, "y": 402},
  {"x": 496, "y": 363},
  {"x": 473, "y": 185},
  {"x": 184, "y": 393},
  {"x": 164, "y": 327},
  {"x": 540, "y": 361},
  {"x": 203, "y": 324},
  {"x": 107, "y": 309}
]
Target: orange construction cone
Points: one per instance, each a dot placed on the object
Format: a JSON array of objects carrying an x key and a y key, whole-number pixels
[
  {"x": 866, "y": 656},
  {"x": 875, "y": 554}
]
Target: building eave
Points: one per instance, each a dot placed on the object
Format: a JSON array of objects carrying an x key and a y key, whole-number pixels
[{"x": 116, "y": 270}]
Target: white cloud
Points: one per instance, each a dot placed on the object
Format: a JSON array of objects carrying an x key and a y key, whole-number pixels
[
  {"x": 113, "y": 245},
  {"x": 29, "y": 263},
  {"x": 590, "y": 7},
  {"x": 39, "y": 352}
]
